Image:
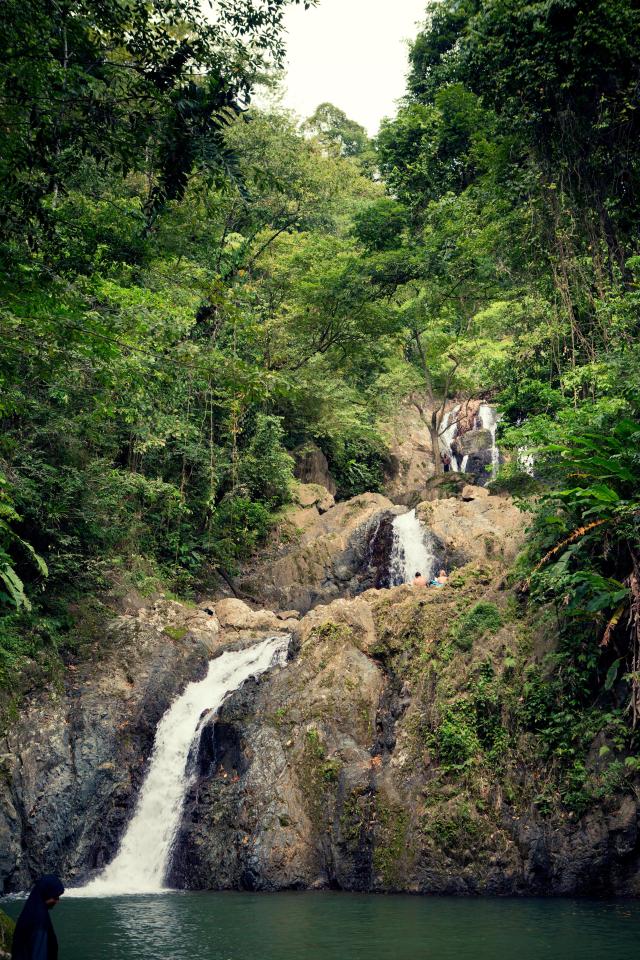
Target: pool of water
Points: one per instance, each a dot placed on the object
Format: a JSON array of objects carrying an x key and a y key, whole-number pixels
[{"x": 340, "y": 926}]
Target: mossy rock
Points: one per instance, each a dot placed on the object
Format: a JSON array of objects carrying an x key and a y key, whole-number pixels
[
  {"x": 7, "y": 926},
  {"x": 176, "y": 633}
]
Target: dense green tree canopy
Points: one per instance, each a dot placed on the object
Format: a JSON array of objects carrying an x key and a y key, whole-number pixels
[{"x": 192, "y": 288}]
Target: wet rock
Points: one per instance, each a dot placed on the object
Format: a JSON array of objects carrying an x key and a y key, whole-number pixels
[
  {"x": 299, "y": 748},
  {"x": 378, "y": 558},
  {"x": 479, "y": 466},
  {"x": 321, "y": 560},
  {"x": 322, "y": 773},
  {"x": 475, "y": 441}
]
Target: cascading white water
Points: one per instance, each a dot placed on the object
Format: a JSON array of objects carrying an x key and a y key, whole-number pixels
[
  {"x": 526, "y": 461},
  {"x": 143, "y": 857},
  {"x": 410, "y": 551},
  {"x": 448, "y": 430},
  {"x": 489, "y": 420}
]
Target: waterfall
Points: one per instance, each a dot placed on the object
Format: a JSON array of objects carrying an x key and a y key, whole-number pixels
[
  {"x": 448, "y": 430},
  {"x": 142, "y": 860},
  {"x": 526, "y": 461},
  {"x": 489, "y": 420},
  {"x": 410, "y": 551}
]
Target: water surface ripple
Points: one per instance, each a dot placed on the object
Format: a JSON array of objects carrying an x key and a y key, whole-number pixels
[{"x": 340, "y": 926}]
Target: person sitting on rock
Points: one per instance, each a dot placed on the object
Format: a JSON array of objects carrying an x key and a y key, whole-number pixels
[
  {"x": 419, "y": 580},
  {"x": 440, "y": 580},
  {"x": 34, "y": 937}
]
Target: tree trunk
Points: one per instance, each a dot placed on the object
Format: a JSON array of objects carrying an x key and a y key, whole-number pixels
[{"x": 434, "y": 433}]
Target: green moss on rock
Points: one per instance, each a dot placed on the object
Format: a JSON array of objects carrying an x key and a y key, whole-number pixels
[
  {"x": 7, "y": 926},
  {"x": 390, "y": 842},
  {"x": 483, "y": 618}
]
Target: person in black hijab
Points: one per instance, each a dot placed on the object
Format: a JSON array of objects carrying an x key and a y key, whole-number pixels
[{"x": 34, "y": 937}]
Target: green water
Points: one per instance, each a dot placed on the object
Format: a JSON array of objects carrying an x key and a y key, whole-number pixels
[{"x": 328, "y": 926}]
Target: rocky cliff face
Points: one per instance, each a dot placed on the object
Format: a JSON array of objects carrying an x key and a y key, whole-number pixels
[
  {"x": 380, "y": 759},
  {"x": 389, "y": 753}
]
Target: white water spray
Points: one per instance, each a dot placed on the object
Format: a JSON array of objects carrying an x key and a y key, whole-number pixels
[
  {"x": 489, "y": 420},
  {"x": 410, "y": 552},
  {"x": 142, "y": 860},
  {"x": 448, "y": 431}
]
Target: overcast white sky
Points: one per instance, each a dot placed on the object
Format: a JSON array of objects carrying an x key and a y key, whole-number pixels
[{"x": 352, "y": 53}]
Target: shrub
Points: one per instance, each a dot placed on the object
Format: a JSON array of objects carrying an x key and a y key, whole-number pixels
[
  {"x": 266, "y": 469},
  {"x": 457, "y": 738},
  {"x": 483, "y": 618}
]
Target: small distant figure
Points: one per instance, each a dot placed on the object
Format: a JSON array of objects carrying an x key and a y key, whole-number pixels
[
  {"x": 441, "y": 580},
  {"x": 446, "y": 462},
  {"x": 419, "y": 580},
  {"x": 34, "y": 937}
]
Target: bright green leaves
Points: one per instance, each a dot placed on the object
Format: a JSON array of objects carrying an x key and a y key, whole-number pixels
[
  {"x": 11, "y": 544},
  {"x": 265, "y": 471}
]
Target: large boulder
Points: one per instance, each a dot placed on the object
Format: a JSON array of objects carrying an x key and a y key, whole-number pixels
[
  {"x": 476, "y": 527},
  {"x": 383, "y": 758},
  {"x": 313, "y": 495},
  {"x": 317, "y": 557},
  {"x": 410, "y": 461},
  {"x": 311, "y": 466},
  {"x": 439, "y": 487},
  {"x": 474, "y": 441},
  {"x": 264, "y": 812},
  {"x": 389, "y": 753},
  {"x": 237, "y": 617}
]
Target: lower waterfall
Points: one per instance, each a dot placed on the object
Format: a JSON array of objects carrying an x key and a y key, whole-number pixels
[
  {"x": 410, "y": 551},
  {"x": 142, "y": 860}
]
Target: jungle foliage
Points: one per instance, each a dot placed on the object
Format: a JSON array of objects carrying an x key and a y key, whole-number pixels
[
  {"x": 182, "y": 303},
  {"x": 192, "y": 288},
  {"x": 515, "y": 157}
]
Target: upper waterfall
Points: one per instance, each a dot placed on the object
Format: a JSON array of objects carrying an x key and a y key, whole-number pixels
[
  {"x": 469, "y": 449},
  {"x": 141, "y": 863}
]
